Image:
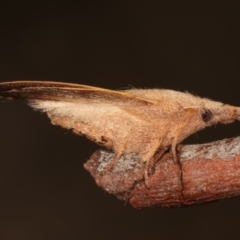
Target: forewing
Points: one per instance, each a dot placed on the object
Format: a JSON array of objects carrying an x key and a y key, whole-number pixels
[
  {"x": 66, "y": 92},
  {"x": 98, "y": 113}
]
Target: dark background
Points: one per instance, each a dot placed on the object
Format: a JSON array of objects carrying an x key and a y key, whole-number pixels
[{"x": 184, "y": 45}]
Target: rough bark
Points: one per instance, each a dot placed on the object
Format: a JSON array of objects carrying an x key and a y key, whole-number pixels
[{"x": 205, "y": 172}]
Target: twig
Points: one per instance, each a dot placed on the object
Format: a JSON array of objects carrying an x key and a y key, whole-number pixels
[{"x": 205, "y": 172}]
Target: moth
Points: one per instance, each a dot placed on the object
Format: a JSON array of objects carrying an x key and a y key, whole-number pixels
[{"x": 141, "y": 121}]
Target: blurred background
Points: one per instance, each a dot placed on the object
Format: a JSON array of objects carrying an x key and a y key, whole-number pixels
[{"x": 183, "y": 45}]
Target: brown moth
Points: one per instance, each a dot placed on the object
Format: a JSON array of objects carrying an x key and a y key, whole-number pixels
[{"x": 141, "y": 121}]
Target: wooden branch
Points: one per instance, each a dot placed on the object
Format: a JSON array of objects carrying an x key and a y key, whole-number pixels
[{"x": 206, "y": 172}]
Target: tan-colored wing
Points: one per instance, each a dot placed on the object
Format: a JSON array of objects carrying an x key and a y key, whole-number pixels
[
  {"x": 104, "y": 116},
  {"x": 65, "y": 91}
]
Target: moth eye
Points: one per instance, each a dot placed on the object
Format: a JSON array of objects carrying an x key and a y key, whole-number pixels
[{"x": 206, "y": 115}]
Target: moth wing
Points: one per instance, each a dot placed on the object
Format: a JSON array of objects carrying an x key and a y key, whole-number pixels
[
  {"x": 100, "y": 114},
  {"x": 69, "y": 92}
]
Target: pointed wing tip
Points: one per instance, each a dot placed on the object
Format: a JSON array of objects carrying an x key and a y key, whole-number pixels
[
  {"x": 9, "y": 86},
  {"x": 12, "y": 90}
]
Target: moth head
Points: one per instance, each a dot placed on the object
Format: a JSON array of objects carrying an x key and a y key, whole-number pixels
[{"x": 219, "y": 114}]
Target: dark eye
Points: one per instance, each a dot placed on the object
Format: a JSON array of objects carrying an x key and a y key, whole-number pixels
[{"x": 206, "y": 115}]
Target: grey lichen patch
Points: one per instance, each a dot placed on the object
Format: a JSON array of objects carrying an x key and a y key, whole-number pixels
[
  {"x": 224, "y": 149},
  {"x": 125, "y": 162}
]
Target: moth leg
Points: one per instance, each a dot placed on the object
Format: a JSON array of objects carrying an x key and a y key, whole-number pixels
[
  {"x": 150, "y": 164},
  {"x": 112, "y": 163},
  {"x": 149, "y": 158},
  {"x": 119, "y": 150},
  {"x": 174, "y": 151}
]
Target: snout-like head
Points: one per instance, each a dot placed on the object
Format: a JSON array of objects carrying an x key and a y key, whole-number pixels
[
  {"x": 222, "y": 113},
  {"x": 209, "y": 113}
]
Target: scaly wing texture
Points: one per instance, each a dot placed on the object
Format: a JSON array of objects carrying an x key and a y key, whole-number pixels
[
  {"x": 114, "y": 119},
  {"x": 63, "y": 91}
]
